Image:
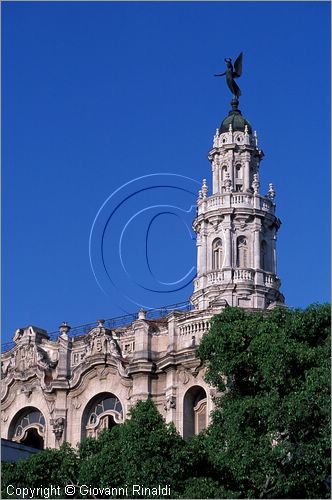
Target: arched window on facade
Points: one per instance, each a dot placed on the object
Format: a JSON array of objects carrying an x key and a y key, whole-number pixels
[
  {"x": 28, "y": 427},
  {"x": 194, "y": 411},
  {"x": 102, "y": 412},
  {"x": 242, "y": 252},
  {"x": 217, "y": 254}
]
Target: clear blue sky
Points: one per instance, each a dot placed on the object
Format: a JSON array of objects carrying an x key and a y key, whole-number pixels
[{"x": 96, "y": 94}]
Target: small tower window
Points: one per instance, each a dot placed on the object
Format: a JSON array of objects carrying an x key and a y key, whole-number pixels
[
  {"x": 265, "y": 261},
  {"x": 217, "y": 254},
  {"x": 242, "y": 252},
  {"x": 238, "y": 172}
]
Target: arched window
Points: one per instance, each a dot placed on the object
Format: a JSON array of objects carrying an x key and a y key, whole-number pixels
[
  {"x": 28, "y": 427},
  {"x": 217, "y": 254},
  {"x": 242, "y": 252},
  {"x": 194, "y": 411},
  {"x": 102, "y": 412},
  {"x": 238, "y": 172},
  {"x": 265, "y": 257}
]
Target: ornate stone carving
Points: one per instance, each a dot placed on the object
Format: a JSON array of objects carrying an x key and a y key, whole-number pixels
[
  {"x": 101, "y": 340},
  {"x": 25, "y": 357},
  {"x": 102, "y": 373},
  {"x": 27, "y": 390},
  {"x": 4, "y": 416},
  {"x": 43, "y": 360},
  {"x": 184, "y": 376},
  {"x": 77, "y": 403},
  {"x": 170, "y": 403},
  {"x": 58, "y": 425}
]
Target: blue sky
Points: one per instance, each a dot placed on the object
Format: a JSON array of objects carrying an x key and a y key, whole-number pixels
[{"x": 96, "y": 94}]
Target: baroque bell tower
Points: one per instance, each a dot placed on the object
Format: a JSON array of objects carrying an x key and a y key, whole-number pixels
[{"x": 236, "y": 225}]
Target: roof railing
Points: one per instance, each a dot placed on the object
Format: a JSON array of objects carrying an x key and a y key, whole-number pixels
[{"x": 117, "y": 322}]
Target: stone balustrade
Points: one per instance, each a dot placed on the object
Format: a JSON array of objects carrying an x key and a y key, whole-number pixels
[
  {"x": 241, "y": 275},
  {"x": 216, "y": 277},
  {"x": 236, "y": 200},
  {"x": 194, "y": 327},
  {"x": 271, "y": 280}
]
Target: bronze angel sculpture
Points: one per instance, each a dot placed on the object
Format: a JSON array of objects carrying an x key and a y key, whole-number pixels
[{"x": 232, "y": 73}]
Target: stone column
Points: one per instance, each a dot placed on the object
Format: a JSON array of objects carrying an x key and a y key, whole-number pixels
[
  {"x": 274, "y": 254},
  {"x": 215, "y": 178},
  {"x": 172, "y": 333},
  {"x": 246, "y": 175},
  {"x": 142, "y": 344},
  {"x": 228, "y": 247},
  {"x": 204, "y": 251},
  {"x": 63, "y": 368},
  {"x": 199, "y": 254},
  {"x": 257, "y": 249}
]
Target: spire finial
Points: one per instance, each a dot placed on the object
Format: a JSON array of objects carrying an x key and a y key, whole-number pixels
[
  {"x": 228, "y": 183},
  {"x": 232, "y": 73},
  {"x": 255, "y": 184},
  {"x": 204, "y": 188},
  {"x": 271, "y": 194}
]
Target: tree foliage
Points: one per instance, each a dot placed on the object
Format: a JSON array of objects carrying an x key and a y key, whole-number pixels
[
  {"x": 270, "y": 436},
  {"x": 270, "y": 431}
]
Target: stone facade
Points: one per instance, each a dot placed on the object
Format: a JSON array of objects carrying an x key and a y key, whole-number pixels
[{"x": 75, "y": 385}]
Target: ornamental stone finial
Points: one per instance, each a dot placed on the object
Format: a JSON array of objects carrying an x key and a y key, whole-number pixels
[
  {"x": 255, "y": 139},
  {"x": 200, "y": 194},
  {"x": 215, "y": 139},
  {"x": 228, "y": 183},
  {"x": 271, "y": 194},
  {"x": 141, "y": 314},
  {"x": 204, "y": 189},
  {"x": 64, "y": 329},
  {"x": 255, "y": 184}
]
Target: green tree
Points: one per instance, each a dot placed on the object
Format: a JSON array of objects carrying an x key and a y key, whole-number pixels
[
  {"x": 270, "y": 436},
  {"x": 143, "y": 450},
  {"x": 50, "y": 467}
]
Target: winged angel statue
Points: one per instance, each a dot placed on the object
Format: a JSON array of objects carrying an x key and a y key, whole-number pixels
[{"x": 232, "y": 73}]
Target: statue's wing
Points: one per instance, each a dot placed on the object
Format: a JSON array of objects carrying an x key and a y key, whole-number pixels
[{"x": 238, "y": 66}]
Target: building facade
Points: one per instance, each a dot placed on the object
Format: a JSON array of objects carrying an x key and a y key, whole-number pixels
[{"x": 73, "y": 386}]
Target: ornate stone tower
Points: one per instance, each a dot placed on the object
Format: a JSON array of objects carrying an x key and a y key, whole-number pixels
[{"x": 236, "y": 225}]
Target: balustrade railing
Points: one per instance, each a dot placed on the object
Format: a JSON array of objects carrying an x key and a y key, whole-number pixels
[
  {"x": 236, "y": 199},
  {"x": 215, "y": 277},
  {"x": 195, "y": 327},
  {"x": 117, "y": 322},
  {"x": 243, "y": 275},
  {"x": 271, "y": 280}
]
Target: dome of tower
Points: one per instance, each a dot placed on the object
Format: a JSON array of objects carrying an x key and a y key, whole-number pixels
[{"x": 235, "y": 119}]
